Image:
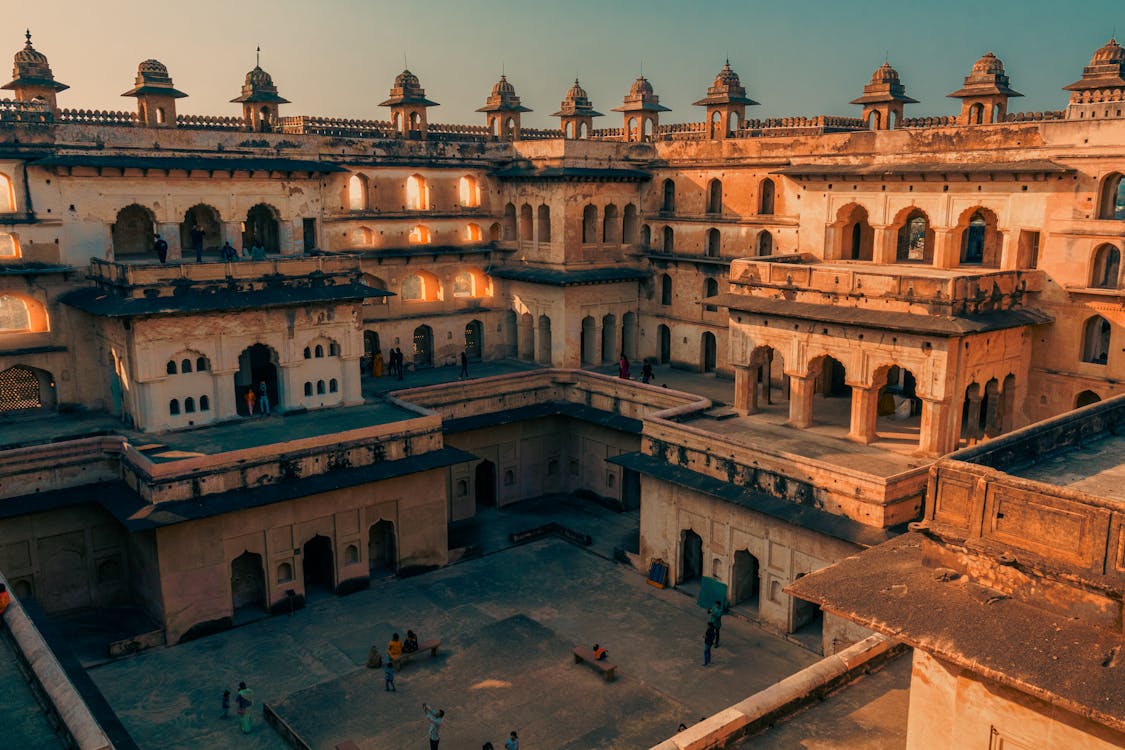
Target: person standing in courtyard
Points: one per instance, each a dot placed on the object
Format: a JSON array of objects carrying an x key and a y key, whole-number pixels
[
  {"x": 394, "y": 648},
  {"x": 464, "y": 367},
  {"x": 264, "y": 398},
  {"x": 161, "y": 249},
  {"x": 708, "y": 642},
  {"x": 513, "y": 742},
  {"x": 715, "y": 619},
  {"x": 389, "y": 675},
  {"x": 435, "y": 717},
  {"x": 244, "y": 701},
  {"x": 197, "y": 235},
  {"x": 623, "y": 367},
  {"x": 646, "y": 372},
  {"x": 251, "y": 401}
]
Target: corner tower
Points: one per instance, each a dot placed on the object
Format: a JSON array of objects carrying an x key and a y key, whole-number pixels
[
  {"x": 883, "y": 99},
  {"x": 726, "y": 103},
  {"x": 503, "y": 111},
  {"x": 156, "y": 97},
  {"x": 984, "y": 95},
  {"x": 32, "y": 78},
  {"x": 576, "y": 114},
  {"x": 408, "y": 105},
  {"x": 260, "y": 100},
  {"x": 642, "y": 110},
  {"x": 1100, "y": 92}
]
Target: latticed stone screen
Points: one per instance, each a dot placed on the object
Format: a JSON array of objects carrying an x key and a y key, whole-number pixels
[{"x": 19, "y": 389}]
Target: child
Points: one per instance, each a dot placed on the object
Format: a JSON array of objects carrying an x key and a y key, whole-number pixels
[
  {"x": 226, "y": 705},
  {"x": 513, "y": 742},
  {"x": 389, "y": 675},
  {"x": 410, "y": 645},
  {"x": 600, "y": 654}
]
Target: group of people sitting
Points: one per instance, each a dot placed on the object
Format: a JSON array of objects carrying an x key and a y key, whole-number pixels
[{"x": 397, "y": 648}]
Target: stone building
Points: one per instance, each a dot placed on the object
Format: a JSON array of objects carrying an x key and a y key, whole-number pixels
[{"x": 874, "y": 292}]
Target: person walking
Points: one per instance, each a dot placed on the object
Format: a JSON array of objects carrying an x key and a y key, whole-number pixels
[
  {"x": 197, "y": 235},
  {"x": 389, "y": 675},
  {"x": 464, "y": 367},
  {"x": 244, "y": 701},
  {"x": 228, "y": 252},
  {"x": 435, "y": 717},
  {"x": 715, "y": 620},
  {"x": 251, "y": 401},
  {"x": 513, "y": 742},
  {"x": 708, "y": 641},
  {"x": 161, "y": 249},
  {"x": 646, "y": 372},
  {"x": 401, "y": 362},
  {"x": 264, "y": 398},
  {"x": 623, "y": 367}
]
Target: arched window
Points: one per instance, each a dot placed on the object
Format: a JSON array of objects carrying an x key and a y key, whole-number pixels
[
  {"x": 526, "y": 227},
  {"x": 646, "y": 237},
  {"x": 362, "y": 237},
  {"x": 669, "y": 240},
  {"x": 14, "y": 315},
  {"x": 669, "y": 201},
  {"x": 7, "y": 195},
  {"x": 201, "y": 364},
  {"x": 1095, "y": 341},
  {"x": 357, "y": 193},
  {"x": 171, "y": 367},
  {"x": 9, "y": 248},
  {"x": 611, "y": 226},
  {"x": 333, "y": 349},
  {"x": 420, "y": 235},
  {"x": 710, "y": 289},
  {"x": 972, "y": 249},
  {"x": 185, "y": 366},
  {"x": 765, "y": 243},
  {"x": 715, "y": 197},
  {"x": 308, "y": 388},
  {"x": 665, "y": 290},
  {"x": 766, "y": 197},
  {"x": 412, "y": 288},
  {"x": 1112, "y": 200},
  {"x": 1106, "y": 268},
  {"x": 713, "y": 243},
  {"x": 544, "y": 222},
  {"x": 417, "y": 193},
  {"x": 308, "y": 353},
  {"x": 509, "y": 228},
  {"x": 494, "y": 232},
  {"x": 914, "y": 239},
  {"x": 473, "y": 233},
  {"x": 468, "y": 192},
  {"x": 333, "y": 386},
  {"x": 204, "y": 403},
  {"x": 318, "y": 352},
  {"x": 320, "y": 387},
  {"x": 629, "y": 225},
  {"x": 174, "y": 407},
  {"x": 589, "y": 224},
  {"x": 189, "y": 405},
  {"x": 463, "y": 285}
]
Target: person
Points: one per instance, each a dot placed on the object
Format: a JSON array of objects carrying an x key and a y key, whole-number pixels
[
  {"x": 244, "y": 700},
  {"x": 401, "y": 363},
  {"x": 708, "y": 641},
  {"x": 389, "y": 675},
  {"x": 257, "y": 251},
  {"x": 646, "y": 372},
  {"x": 513, "y": 742},
  {"x": 623, "y": 367},
  {"x": 486, "y": 746},
  {"x": 435, "y": 717},
  {"x": 229, "y": 253},
  {"x": 681, "y": 727},
  {"x": 464, "y": 366},
  {"x": 715, "y": 619},
  {"x": 600, "y": 654},
  {"x": 5, "y": 598},
  {"x": 394, "y": 648},
  {"x": 251, "y": 401},
  {"x": 197, "y": 235},
  {"x": 264, "y": 398},
  {"x": 161, "y": 248},
  {"x": 377, "y": 364},
  {"x": 410, "y": 645},
  {"x": 226, "y": 705}
]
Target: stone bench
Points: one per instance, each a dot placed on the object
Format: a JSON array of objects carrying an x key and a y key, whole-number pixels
[
  {"x": 406, "y": 656},
  {"x": 587, "y": 655}
]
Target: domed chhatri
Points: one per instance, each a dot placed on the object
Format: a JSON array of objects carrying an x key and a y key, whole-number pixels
[
  {"x": 503, "y": 109},
  {"x": 576, "y": 113},
  {"x": 155, "y": 94},
  {"x": 884, "y": 99},
  {"x": 260, "y": 100},
  {"x": 985, "y": 93},
  {"x": 32, "y": 78},
  {"x": 408, "y": 105},
  {"x": 726, "y": 103},
  {"x": 1102, "y": 81},
  {"x": 641, "y": 110}
]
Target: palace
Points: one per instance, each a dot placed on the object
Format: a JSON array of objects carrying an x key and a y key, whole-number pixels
[{"x": 871, "y": 293}]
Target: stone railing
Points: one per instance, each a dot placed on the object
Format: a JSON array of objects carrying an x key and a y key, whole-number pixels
[
  {"x": 476, "y": 131},
  {"x": 335, "y": 126},
  {"x": 295, "y": 267},
  {"x": 96, "y": 117},
  {"x": 210, "y": 122},
  {"x": 939, "y": 121},
  {"x": 24, "y": 112},
  {"x": 72, "y": 463},
  {"x": 539, "y": 134},
  {"x": 1035, "y": 116}
]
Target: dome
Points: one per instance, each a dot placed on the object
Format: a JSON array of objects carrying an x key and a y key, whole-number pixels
[
  {"x": 406, "y": 80},
  {"x": 990, "y": 65},
  {"x": 727, "y": 77},
  {"x": 29, "y": 54},
  {"x": 152, "y": 67},
  {"x": 502, "y": 87},
  {"x": 259, "y": 79},
  {"x": 641, "y": 87},
  {"x": 1112, "y": 52},
  {"x": 885, "y": 74},
  {"x": 576, "y": 92}
]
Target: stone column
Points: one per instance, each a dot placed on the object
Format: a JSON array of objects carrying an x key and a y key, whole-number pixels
[
  {"x": 947, "y": 252},
  {"x": 800, "y": 400},
  {"x": 1009, "y": 250},
  {"x": 937, "y": 434},
  {"x": 350, "y": 381},
  {"x": 596, "y": 344},
  {"x": 885, "y": 247},
  {"x": 226, "y": 400},
  {"x": 171, "y": 234},
  {"x": 746, "y": 389},
  {"x": 865, "y": 404}
]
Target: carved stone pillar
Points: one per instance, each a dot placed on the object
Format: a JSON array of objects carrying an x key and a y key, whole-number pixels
[
  {"x": 746, "y": 389},
  {"x": 937, "y": 432},
  {"x": 947, "y": 251},
  {"x": 1009, "y": 250},
  {"x": 800, "y": 400},
  {"x": 865, "y": 403},
  {"x": 886, "y": 244}
]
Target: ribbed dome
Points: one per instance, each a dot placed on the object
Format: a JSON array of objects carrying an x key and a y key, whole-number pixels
[
  {"x": 152, "y": 67},
  {"x": 406, "y": 80},
  {"x": 29, "y": 54},
  {"x": 885, "y": 74},
  {"x": 1112, "y": 52},
  {"x": 503, "y": 87},
  {"x": 259, "y": 79},
  {"x": 727, "y": 77},
  {"x": 576, "y": 92},
  {"x": 641, "y": 87},
  {"x": 990, "y": 64}
]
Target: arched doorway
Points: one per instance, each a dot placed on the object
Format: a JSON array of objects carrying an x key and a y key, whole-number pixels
[
  {"x": 256, "y": 365},
  {"x": 485, "y": 483},
  {"x": 26, "y": 388},
  {"x": 318, "y": 567},
  {"x": 423, "y": 347},
  {"x": 831, "y": 381},
  {"x": 544, "y": 340},
  {"x": 247, "y": 582},
  {"x": 709, "y": 351},
  {"x": 746, "y": 580},
  {"x": 370, "y": 347},
  {"x": 381, "y": 548},
  {"x": 1085, "y": 398},
  {"x": 587, "y": 342},
  {"x": 262, "y": 226},
  {"x": 609, "y": 339},
  {"x": 134, "y": 231},
  {"x": 474, "y": 340},
  {"x": 526, "y": 337},
  {"x": 206, "y": 219},
  {"x": 664, "y": 336},
  {"x": 691, "y": 556},
  {"x": 629, "y": 335}
]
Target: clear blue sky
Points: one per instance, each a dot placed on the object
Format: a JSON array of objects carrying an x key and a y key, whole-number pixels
[{"x": 339, "y": 57}]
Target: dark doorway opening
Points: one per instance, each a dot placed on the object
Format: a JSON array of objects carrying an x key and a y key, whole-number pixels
[
  {"x": 691, "y": 556},
  {"x": 485, "y": 481},
  {"x": 474, "y": 340},
  {"x": 247, "y": 584},
  {"x": 746, "y": 579},
  {"x": 317, "y": 554},
  {"x": 381, "y": 548},
  {"x": 256, "y": 365},
  {"x": 664, "y": 334},
  {"x": 631, "y": 490}
]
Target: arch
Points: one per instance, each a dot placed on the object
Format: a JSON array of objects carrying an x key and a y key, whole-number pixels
[
  {"x": 23, "y": 387},
  {"x": 714, "y": 248},
  {"x": 474, "y": 340},
  {"x": 375, "y": 283},
  {"x": 568, "y": 131},
  {"x": 588, "y": 341},
  {"x": 1085, "y": 398},
  {"x": 201, "y": 364},
  {"x": 381, "y": 556},
  {"x": 915, "y": 237},
  {"x": 715, "y": 196},
  {"x": 669, "y": 244},
  {"x": 664, "y": 343},
  {"x": 765, "y": 243},
  {"x": 318, "y": 565},
  {"x": 9, "y": 246},
  {"x": 1106, "y": 267},
  {"x": 308, "y": 388},
  {"x": 1095, "y": 340},
  {"x": 284, "y": 572},
  {"x": 417, "y": 193},
  {"x": 544, "y": 340},
  {"x": 7, "y": 195},
  {"x": 582, "y": 130},
  {"x": 484, "y": 482},
  {"x": 611, "y": 225},
  {"x": 318, "y": 351},
  {"x": 976, "y": 114},
  {"x": 357, "y": 192},
  {"x": 1111, "y": 201},
  {"x": 469, "y": 283},
  {"x": 708, "y": 352},
  {"x": 980, "y": 239},
  {"x": 874, "y": 120},
  {"x": 201, "y": 226},
  {"x": 419, "y": 235},
  {"x": 509, "y": 223},
  {"x": 589, "y": 224},
  {"x": 745, "y": 579},
  {"x": 629, "y": 335},
  {"x": 321, "y": 388},
  {"x": 174, "y": 407},
  {"x": 362, "y": 237},
  {"x": 189, "y": 405},
  {"x": 247, "y": 582},
  {"x": 525, "y": 338},
  {"x": 257, "y": 364},
  {"x": 171, "y": 368},
  {"x": 767, "y": 377},
  {"x": 668, "y": 200},
  {"x": 710, "y": 289},
  {"x": 629, "y": 225},
  {"x": 333, "y": 385},
  {"x": 691, "y": 556},
  {"x": 665, "y": 289},
  {"x": 473, "y": 233},
  {"x": 715, "y": 124},
  {"x": 767, "y": 194},
  {"x": 896, "y": 400},
  {"x": 468, "y": 191},
  {"x": 351, "y": 554},
  {"x": 204, "y": 403},
  {"x": 262, "y": 227},
  {"x": 423, "y": 342},
  {"x": 856, "y": 235},
  {"x": 609, "y": 338},
  {"x": 421, "y": 286},
  {"x": 133, "y": 232},
  {"x": 15, "y": 316},
  {"x": 733, "y": 123},
  {"x": 646, "y": 237},
  {"x": 526, "y": 223},
  {"x": 544, "y": 223}
]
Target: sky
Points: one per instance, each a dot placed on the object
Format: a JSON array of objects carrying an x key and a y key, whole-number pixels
[{"x": 338, "y": 58}]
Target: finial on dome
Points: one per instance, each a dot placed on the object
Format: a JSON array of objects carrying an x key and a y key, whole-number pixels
[
  {"x": 28, "y": 35},
  {"x": 258, "y": 57}
]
